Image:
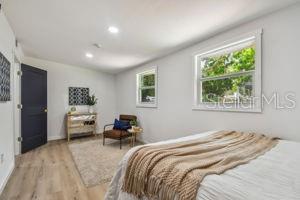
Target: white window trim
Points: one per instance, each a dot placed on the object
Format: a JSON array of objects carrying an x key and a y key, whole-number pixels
[
  {"x": 138, "y": 102},
  {"x": 257, "y": 107}
]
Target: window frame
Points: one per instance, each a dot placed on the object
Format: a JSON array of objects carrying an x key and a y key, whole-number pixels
[
  {"x": 139, "y": 103},
  {"x": 231, "y": 45}
]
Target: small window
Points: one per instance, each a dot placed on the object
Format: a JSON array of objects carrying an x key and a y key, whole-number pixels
[
  {"x": 147, "y": 88},
  {"x": 228, "y": 77}
]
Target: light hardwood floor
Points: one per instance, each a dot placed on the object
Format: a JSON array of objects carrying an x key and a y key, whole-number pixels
[{"x": 49, "y": 173}]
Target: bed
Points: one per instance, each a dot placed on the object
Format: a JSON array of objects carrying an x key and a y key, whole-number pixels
[{"x": 274, "y": 175}]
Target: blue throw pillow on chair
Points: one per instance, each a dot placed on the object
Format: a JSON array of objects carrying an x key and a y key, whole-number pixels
[{"x": 121, "y": 125}]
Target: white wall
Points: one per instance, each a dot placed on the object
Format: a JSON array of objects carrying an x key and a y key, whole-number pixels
[
  {"x": 7, "y": 48},
  {"x": 60, "y": 78},
  {"x": 174, "y": 116}
]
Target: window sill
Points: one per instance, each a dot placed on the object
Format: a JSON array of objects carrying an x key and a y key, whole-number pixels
[
  {"x": 146, "y": 105},
  {"x": 202, "y": 107}
]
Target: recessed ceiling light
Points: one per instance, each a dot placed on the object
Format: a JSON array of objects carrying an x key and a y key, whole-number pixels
[
  {"x": 113, "y": 29},
  {"x": 89, "y": 55}
]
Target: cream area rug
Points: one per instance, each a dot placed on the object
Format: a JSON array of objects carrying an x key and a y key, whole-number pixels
[{"x": 97, "y": 163}]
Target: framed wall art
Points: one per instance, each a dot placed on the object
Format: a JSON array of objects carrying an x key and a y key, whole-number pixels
[
  {"x": 78, "y": 96},
  {"x": 4, "y": 78}
]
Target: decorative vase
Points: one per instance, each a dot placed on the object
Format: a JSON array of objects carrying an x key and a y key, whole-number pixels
[
  {"x": 73, "y": 109},
  {"x": 91, "y": 109}
]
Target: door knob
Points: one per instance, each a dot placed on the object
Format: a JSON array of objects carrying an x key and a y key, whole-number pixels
[{"x": 46, "y": 110}]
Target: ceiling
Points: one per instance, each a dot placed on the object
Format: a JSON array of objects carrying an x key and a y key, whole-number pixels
[{"x": 65, "y": 30}]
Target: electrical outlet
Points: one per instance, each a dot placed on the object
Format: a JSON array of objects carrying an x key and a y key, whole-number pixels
[{"x": 2, "y": 158}]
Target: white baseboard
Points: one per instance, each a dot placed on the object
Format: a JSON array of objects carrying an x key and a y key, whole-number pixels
[
  {"x": 145, "y": 141},
  {"x": 59, "y": 137},
  {"x": 12, "y": 167},
  {"x": 56, "y": 137}
]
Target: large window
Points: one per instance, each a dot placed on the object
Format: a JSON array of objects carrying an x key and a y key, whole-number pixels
[
  {"x": 146, "y": 88},
  {"x": 228, "y": 77}
]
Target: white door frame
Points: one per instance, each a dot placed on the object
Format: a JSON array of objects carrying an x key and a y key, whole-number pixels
[{"x": 16, "y": 100}]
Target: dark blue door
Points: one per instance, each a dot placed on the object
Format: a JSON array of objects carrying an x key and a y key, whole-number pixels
[{"x": 34, "y": 107}]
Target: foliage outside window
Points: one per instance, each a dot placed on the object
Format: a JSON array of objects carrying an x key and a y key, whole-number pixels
[
  {"x": 146, "y": 88},
  {"x": 228, "y": 77}
]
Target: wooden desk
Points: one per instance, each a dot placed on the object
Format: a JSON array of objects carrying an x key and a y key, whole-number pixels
[{"x": 79, "y": 123}]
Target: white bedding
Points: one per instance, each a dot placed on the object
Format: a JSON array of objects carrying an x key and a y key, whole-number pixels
[{"x": 272, "y": 176}]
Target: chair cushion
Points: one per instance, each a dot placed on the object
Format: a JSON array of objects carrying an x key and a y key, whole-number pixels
[
  {"x": 116, "y": 134},
  {"x": 121, "y": 125}
]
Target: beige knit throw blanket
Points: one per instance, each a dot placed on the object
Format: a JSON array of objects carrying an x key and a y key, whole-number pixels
[{"x": 175, "y": 171}]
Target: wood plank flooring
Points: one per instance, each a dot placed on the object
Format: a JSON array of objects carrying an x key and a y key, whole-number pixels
[{"x": 49, "y": 173}]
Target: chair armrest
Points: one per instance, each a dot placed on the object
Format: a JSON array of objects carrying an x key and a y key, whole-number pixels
[{"x": 107, "y": 125}]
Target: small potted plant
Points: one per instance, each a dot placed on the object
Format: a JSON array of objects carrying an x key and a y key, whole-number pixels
[
  {"x": 92, "y": 101},
  {"x": 133, "y": 124}
]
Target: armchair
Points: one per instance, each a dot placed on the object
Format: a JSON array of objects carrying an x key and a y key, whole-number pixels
[{"x": 116, "y": 133}]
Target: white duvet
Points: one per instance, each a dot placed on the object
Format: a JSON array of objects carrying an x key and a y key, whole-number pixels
[{"x": 272, "y": 176}]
